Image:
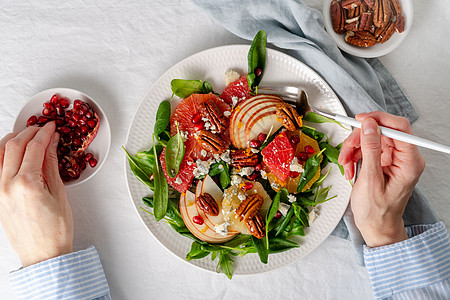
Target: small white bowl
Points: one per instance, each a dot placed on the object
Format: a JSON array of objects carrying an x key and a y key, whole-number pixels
[
  {"x": 99, "y": 146},
  {"x": 378, "y": 49}
]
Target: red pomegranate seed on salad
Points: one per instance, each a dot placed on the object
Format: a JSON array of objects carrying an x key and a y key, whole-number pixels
[
  {"x": 278, "y": 215},
  {"x": 295, "y": 139},
  {"x": 262, "y": 137},
  {"x": 258, "y": 167},
  {"x": 253, "y": 176},
  {"x": 294, "y": 174},
  {"x": 198, "y": 220},
  {"x": 254, "y": 144},
  {"x": 32, "y": 121},
  {"x": 199, "y": 126},
  {"x": 196, "y": 118},
  {"x": 247, "y": 186},
  {"x": 258, "y": 72},
  {"x": 303, "y": 156},
  {"x": 309, "y": 149}
]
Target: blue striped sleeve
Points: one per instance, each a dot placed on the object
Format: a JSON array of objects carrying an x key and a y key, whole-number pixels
[
  {"x": 77, "y": 275},
  {"x": 417, "y": 268}
]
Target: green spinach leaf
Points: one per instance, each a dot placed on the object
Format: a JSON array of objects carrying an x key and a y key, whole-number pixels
[
  {"x": 332, "y": 154},
  {"x": 316, "y": 118},
  {"x": 225, "y": 263},
  {"x": 256, "y": 60},
  {"x": 196, "y": 252},
  {"x": 261, "y": 248},
  {"x": 311, "y": 167},
  {"x": 161, "y": 191},
  {"x": 142, "y": 168},
  {"x": 285, "y": 222},
  {"x": 162, "y": 117},
  {"x": 174, "y": 154},
  {"x": 184, "y": 88},
  {"x": 278, "y": 245},
  {"x": 312, "y": 133}
]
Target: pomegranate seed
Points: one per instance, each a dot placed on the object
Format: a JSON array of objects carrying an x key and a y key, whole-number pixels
[
  {"x": 199, "y": 126},
  {"x": 84, "y": 129},
  {"x": 64, "y": 102},
  {"x": 60, "y": 111},
  {"x": 72, "y": 123},
  {"x": 295, "y": 139},
  {"x": 253, "y": 176},
  {"x": 77, "y": 131},
  {"x": 64, "y": 129},
  {"x": 258, "y": 167},
  {"x": 32, "y": 121},
  {"x": 76, "y": 117},
  {"x": 76, "y": 104},
  {"x": 88, "y": 157},
  {"x": 196, "y": 118},
  {"x": 278, "y": 215},
  {"x": 303, "y": 156},
  {"x": 54, "y": 99},
  {"x": 60, "y": 167},
  {"x": 93, "y": 162},
  {"x": 151, "y": 177},
  {"x": 262, "y": 137},
  {"x": 309, "y": 149},
  {"x": 89, "y": 114},
  {"x": 53, "y": 115},
  {"x": 258, "y": 72},
  {"x": 91, "y": 123},
  {"x": 76, "y": 141},
  {"x": 254, "y": 144},
  {"x": 69, "y": 115},
  {"x": 59, "y": 122},
  {"x": 82, "y": 164},
  {"x": 247, "y": 186},
  {"x": 49, "y": 105},
  {"x": 294, "y": 174},
  {"x": 82, "y": 120},
  {"x": 41, "y": 120},
  {"x": 46, "y": 112},
  {"x": 198, "y": 220},
  {"x": 65, "y": 150},
  {"x": 84, "y": 108}
]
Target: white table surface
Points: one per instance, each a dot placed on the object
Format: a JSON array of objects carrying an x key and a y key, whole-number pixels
[{"x": 114, "y": 51}]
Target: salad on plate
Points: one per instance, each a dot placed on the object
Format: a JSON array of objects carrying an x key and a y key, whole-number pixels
[{"x": 237, "y": 172}]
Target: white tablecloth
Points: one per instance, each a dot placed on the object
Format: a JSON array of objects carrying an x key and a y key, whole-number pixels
[{"x": 114, "y": 51}]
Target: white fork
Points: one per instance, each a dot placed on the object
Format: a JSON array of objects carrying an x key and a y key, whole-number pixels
[{"x": 298, "y": 98}]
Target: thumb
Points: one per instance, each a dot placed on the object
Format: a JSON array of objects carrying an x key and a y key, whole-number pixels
[{"x": 371, "y": 148}]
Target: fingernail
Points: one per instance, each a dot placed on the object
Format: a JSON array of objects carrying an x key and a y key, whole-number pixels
[{"x": 369, "y": 126}]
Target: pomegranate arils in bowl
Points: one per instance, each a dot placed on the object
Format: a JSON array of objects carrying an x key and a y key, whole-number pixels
[{"x": 77, "y": 128}]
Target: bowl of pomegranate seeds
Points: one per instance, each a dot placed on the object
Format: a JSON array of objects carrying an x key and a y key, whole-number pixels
[
  {"x": 85, "y": 135},
  {"x": 368, "y": 28}
]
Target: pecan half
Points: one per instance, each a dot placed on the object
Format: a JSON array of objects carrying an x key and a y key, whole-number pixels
[
  {"x": 207, "y": 204},
  {"x": 243, "y": 158},
  {"x": 210, "y": 110},
  {"x": 382, "y": 13},
  {"x": 386, "y": 33},
  {"x": 366, "y": 21},
  {"x": 353, "y": 12},
  {"x": 396, "y": 7},
  {"x": 352, "y": 24},
  {"x": 369, "y": 3},
  {"x": 288, "y": 116},
  {"x": 337, "y": 17},
  {"x": 256, "y": 226},
  {"x": 400, "y": 23},
  {"x": 249, "y": 207},
  {"x": 212, "y": 142},
  {"x": 360, "y": 38},
  {"x": 349, "y": 4}
]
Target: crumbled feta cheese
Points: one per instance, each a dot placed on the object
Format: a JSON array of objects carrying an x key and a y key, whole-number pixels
[
  {"x": 227, "y": 113},
  {"x": 291, "y": 198},
  {"x": 254, "y": 150},
  {"x": 283, "y": 208},
  {"x": 203, "y": 152},
  {"x": 246, "y": 171},
  {"x": 234, "y": 100},
  {"x": 263, "y": 174},
  {"x": 184, "y": 134},
  {"x": 275, "y": 185},
  {"x": 178, "y": 180},
  {"x": 296, "y": 166},
  {"x": 313, "y": 214},
  {"x": 222, "y": 229},
  {"x": 242, "y": 195},
  {"x": 236, "y": 180},
  {"x": 225, "y": 156},
  {"x": 231, "y": 76},
  {"x": 202, "y": 167}
]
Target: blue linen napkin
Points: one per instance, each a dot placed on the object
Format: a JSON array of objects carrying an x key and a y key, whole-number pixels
[{"x": 362, "y": 85}]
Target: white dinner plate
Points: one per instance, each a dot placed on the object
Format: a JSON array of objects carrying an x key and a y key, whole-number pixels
[{"x": 211, "y": 65}]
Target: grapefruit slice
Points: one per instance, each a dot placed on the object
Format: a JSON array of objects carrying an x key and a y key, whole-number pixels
[
  {"x": 278, "y": 155},
  {"x": 184, "y": 114},
  {"x": 185, "y": 175},
  {"x": 238, "y": 89}
]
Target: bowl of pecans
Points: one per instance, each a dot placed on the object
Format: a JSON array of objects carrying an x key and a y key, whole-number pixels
[{"x": 368, "y": 28}]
